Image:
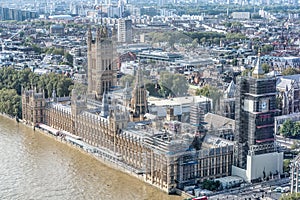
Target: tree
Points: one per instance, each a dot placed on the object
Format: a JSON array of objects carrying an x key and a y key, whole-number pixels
[
  {"x": 204, "y": 91},
  {"x": 58, "y": 52},
  {"x": 10, "y": 102},
  {"x": 295, "y": 145},
  {"x": 203, "y": 40},
  {"x": 170, "y": 38},
  {"x": 172, "y": 84},
  {"x": 234, "y": 62},
  {"x": 211, "y": 185},
  {"x": 80, "y": 88},
  {"x": 127, "y": 78},
  {"x": 216, "y": 41},
  {"x": 286, "y": 165},
  {"x": 267, "y": 48},
  {"x": 290, "y": 196},
  {"x": 278, "y": 102},
  {"x": 287, "y": 128},
  {"x": 195, "y": 43},
  {"x": 63, "y": 86},
  {"x": 203, "y": 37},
  {"x": 69, "y": 58},
  {"x": 256, "y": 16},
  {"x": 246, "y": 72},
  {"x": 296, "y": 130},
  {"x": 290, "y": 71},
  {"x": 227, "y": 24},
  {"x": 211, "y": 92},
  {"x": 55, "y": 51},
  {"x": 265, "y": 67},
  {"x": 153, "y": 89},
  {"x": 21, "y": 34},
  {"x": 235, "y": 36},
  {"x": 180, "y": 85},
  {"x": 12, "y": 81},
  {"x": 36, "y": 48},
  {"x": 237, "y": 24}
]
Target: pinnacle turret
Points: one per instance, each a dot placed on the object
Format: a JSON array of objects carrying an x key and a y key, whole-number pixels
[
  {"x": 98, "y": 35},
  {"x": 258, "y": 71},
  {"x": 104, "y": 106},
  {"x": 139, "y": 78}
]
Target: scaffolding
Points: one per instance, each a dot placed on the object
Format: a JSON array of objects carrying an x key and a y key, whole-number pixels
[
  {"x": 255, "y": 109},
  {"x": 198, "y": 110}
]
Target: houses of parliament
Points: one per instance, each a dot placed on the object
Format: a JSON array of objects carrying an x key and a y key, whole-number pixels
[{"x": 114, "y": 124}]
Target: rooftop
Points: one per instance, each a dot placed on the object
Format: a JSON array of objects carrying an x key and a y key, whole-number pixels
[{"x": 177, "y": 100}]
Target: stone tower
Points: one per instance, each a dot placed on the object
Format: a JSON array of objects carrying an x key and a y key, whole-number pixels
[
  {"x": 256, "y": 156},
  {"x": 126, "y": 96},
  {"x": 33, "y": 106},
  {"x": 139, "y": 105},
  {"x": 78, "y": 103},
  {"x": 255, "y": 108},
  {"x": 101, "y": 62}
]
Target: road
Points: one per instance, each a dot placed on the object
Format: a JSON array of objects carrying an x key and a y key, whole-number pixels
[{"x": 261, "y": 190}]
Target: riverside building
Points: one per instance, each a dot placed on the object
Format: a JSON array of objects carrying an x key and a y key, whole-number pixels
[{"x": 112, "y": 123}]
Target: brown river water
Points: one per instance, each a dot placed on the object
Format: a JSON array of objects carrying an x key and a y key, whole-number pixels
[{"x": 35, "y": 166}]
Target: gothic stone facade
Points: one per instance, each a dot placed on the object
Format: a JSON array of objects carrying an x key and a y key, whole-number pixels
[
  {"x": 101, "y": 62},
  {"x": 155, "y": 157}
]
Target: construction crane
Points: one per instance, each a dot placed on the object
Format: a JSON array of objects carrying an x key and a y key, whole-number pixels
[{"x": 11, "y": 37}]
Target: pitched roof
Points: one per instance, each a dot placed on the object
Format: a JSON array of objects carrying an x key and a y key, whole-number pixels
[
  {"x": 218, "y": 121},
  {"x": 229, "y": 92},
  {"x": 258, "y": 70}
]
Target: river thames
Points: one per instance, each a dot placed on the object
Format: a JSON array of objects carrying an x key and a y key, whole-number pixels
[{"x": 35, "y": 166}]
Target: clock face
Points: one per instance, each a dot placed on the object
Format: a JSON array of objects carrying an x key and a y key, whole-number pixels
[{"x": 264, "y": 105}]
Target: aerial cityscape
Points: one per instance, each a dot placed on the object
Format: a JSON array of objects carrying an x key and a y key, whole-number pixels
[{"x": 192, "y": 99}]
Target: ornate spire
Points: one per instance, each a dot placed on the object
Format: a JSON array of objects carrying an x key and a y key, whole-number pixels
[
  {"x": 139, "y": 97},
  {"x": 114, "y": 31},
  {"x": 126, "y": 94},
  {"x": 229, "y": 92},
  {"x": 98, "y": 37},
  {"x": 127, "y": 89},
  {"x": 104, "y": 106},
  {"x": 126, "y": 85},
  {"x": 89, "y": 33},
  {"x": 139, "y": 77},
  {"x": 54, "y": 95},
  {"x": 89, "y": 38},
  {"x": 104, "y": 32},
  {"x": 74, "y": 95},
  {"x": 258, "y": 71}
]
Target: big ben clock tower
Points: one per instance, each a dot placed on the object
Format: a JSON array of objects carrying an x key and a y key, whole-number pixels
[{"x": 255, "y": 112}]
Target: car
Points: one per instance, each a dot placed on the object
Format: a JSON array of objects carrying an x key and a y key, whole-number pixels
[
  {"x": 285, "y": 189},
  {"x": 278, "y": 189}
]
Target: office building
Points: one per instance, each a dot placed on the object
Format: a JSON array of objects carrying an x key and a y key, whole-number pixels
[{"x": 125, "y": 30}]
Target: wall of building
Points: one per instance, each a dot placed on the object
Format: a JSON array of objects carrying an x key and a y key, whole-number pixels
[
  {"x": 236, "y": 171},
  {"x": 168, "y": 168},
  {"x": 260, "y": 166}
]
